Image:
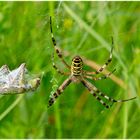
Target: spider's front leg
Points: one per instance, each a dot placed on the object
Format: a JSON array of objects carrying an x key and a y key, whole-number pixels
[
  {"x": 56, "y": 48},
  {"x": 108, "y": 61},
  {"x": 59, "y": 91},
  {"x": 99, "y": 78}
]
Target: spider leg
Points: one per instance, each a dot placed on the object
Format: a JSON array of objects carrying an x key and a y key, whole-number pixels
[
  {"x": 113, "y": 100},
  {"x": 59, "y": 91},
  {"x": 108, "y": 61},
  {"x": 89, "y": 72},
  {"x": 56, "y": 68},
  {"x": 95, "y": 92},
  {"x": 91, "y": 89},
  {"x": 99, "y": 78},
  {"x": 56, "y": 48}
]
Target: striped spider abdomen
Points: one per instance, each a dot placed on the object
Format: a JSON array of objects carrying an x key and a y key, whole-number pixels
[{"x": 76, "y": 66}]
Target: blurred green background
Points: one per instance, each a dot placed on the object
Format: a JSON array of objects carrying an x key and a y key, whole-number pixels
[{"x": 83, "y": 28}]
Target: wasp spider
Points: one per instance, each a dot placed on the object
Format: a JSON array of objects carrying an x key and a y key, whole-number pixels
[{"x": 77, "y": 74}]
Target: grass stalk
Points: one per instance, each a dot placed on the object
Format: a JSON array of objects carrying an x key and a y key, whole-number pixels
[
  {"x": 58, "y": 121},
  {"x": 125, "y": 121},
  {"x": 11, "y": 107}
]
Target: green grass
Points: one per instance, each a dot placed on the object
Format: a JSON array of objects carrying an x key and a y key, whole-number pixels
[{"x": 83, "y": 28}]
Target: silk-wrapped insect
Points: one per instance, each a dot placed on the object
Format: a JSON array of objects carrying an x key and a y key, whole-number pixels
[{"x": 17, "y": 81}]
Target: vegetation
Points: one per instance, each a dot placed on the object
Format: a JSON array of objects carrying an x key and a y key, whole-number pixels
[{"x": 83, "y": 28}]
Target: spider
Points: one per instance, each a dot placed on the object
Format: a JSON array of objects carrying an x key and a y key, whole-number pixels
[{"x": 77, "y": 74}]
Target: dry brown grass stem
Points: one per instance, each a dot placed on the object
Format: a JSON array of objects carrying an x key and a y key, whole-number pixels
[{"x": 96, "y": 66}]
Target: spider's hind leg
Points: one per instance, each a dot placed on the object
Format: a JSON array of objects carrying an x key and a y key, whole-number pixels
[
  {"x": 113, "y": 100},
  {"x": 96, "y": 93},
  {"x": 91, "y": 88}
]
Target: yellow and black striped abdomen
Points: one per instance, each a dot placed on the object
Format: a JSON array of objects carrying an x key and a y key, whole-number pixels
[{"x": 76, "y": 66}]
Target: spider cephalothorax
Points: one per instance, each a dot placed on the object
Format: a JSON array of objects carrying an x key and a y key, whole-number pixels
[{"x": 77, "y": 74}]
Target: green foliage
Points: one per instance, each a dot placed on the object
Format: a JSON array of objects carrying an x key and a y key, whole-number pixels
[{"x": 83, "y": 28}]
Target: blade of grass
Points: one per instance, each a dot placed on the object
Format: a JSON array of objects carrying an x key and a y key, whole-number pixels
[
  {"x": 2, "y": 115},
  {"x": 84, "y": 38},
  {"x": 58, "y": 121},
  {"x": 126, "y": 106},
  {"x": 105, "y": 131},
  {"x": 125, "y": 112},
  {"x": 125, "y": 121}
]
